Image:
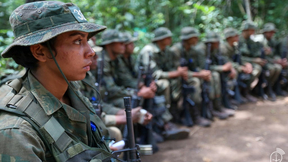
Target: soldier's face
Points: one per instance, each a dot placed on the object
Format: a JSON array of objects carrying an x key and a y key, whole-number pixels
[
  {"x": 167, "y": 41},
  {"x": 269, "y": 35},
  {"x": 214, "y": 45},
  {"x": 118, "y": 47},
  {"x": 73, "y": 55},
  {"x": 192, "y": 41},
  {"x": 231, "y": 40},
  {"x": 129, "y": 48},
  {"x": 250, "y": 32}
]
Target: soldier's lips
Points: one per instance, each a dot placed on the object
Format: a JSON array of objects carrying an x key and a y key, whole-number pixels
[{"x": 87, "y": 67}]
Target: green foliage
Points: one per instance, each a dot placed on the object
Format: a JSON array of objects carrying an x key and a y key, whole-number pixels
[{"x": 141, "y": 17}]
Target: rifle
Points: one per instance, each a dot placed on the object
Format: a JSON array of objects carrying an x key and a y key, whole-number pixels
[
  {"x": 262, "y": 78},
  {"x": 135, "y": 101},
  {"x": 133, "y": 154},
  {"x": 226, "y": 92},
  {"x": 242, "y": 77},
  {"x": 284, "y": 72},
  {"x": 206, "y": 103},
  {"x": 186, "y": 91},
  {"x": 147, "y": 136}
]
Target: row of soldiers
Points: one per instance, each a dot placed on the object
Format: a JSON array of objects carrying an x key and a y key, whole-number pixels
[{"x": 189, "y": 83}]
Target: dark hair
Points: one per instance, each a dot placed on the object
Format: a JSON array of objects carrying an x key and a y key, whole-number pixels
[{"x": 23, "y": 56}]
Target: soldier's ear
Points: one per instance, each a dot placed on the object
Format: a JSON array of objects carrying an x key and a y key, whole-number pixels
[{"x": 38, "y": 51}]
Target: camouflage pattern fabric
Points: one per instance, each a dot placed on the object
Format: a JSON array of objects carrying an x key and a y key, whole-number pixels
[
  {"x": 196, "y": 62},
  {"x": 128, "y": 77},
  {"x": 75, "y": 120},
  {"x": 228, "y": 52},
  {"x": 130, "y": 80},
  {"x": 161, "y": 63},
  {"x": 108, "y": 110},
  {"x": 115, "y": 92},
  {"x": 215, "y": 82},
  {"x": 251, "y": 50},
  {"x": 37, "y": 22}
]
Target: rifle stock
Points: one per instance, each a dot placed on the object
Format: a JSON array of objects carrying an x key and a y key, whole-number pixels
[
  {"x": 226, "y": 92},
  {"x": 186, "y": 91},
  {"x": 206, "y": 103}
]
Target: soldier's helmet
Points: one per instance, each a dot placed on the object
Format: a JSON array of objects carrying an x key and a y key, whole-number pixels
[
  {"x": 269, "y": 27},
  {"x": 211, "y": 37},
  {"x": 128, "y": 38},
  {"x": 188, "y": 32},
  {"x": 230, "y": 32},
  {"x": 161, "y": 33},
  {"x": 110, "y": 36},
  {"x": 37, "y": 22},
  {"x": 248, "y": 25}
]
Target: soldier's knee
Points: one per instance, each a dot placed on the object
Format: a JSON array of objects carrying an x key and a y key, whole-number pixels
[{"x": 278, "y": 68}]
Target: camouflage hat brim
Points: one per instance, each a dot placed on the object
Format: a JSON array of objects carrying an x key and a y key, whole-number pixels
[
  {"x": 131, "y": 40},
  {"x": 162, "y": 37},
  {"x": 44, "y": 35},
  {"x": 268, "y": 30},
  {"x": 189, "y": 36},
  {"x": 121, "y": 40},
  {"x": 211, "y": 40}
]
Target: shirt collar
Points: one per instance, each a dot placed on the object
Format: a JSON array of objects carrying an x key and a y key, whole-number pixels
[{"x": 50, "y": 103}]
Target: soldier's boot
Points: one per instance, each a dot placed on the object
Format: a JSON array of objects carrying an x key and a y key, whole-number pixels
[
  {"x": 173, "y": 132},
  {"x": 278, "y": 89},
  {"x": 249, "y": 97},
  {"x": 197, "y": 119},
  {"x": 218, "y": 110},
  {"x": 271, "y": 93}
]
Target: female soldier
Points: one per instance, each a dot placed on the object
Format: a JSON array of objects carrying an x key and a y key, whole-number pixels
[{"x": 43, "y": 115}]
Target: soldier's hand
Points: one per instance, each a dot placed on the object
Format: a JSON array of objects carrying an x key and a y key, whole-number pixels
[
  {"x": 146, "y": 92},
  {"x": 227, "y": 67},
  {"x": 284, "y": 62},
  {"x": 113, "y": 148},
  {"x": 233, "y": 73},
  {"x": 267, "y": 50},
  {"x": 249, "y": 68},
  {"x": 260, "y": 61},
  {"x": 153, "y": 86},
  {"x": 205, "y": 74},
  {"x": 183, "y": 72},
  {"x": 135, "y": 113},
  {"x": 148, "y": 118}
]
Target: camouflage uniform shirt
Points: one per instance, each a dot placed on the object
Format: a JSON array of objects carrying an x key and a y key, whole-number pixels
[
  {"x": 20, "y": 142},
  {"x": 110, "y": 77}
]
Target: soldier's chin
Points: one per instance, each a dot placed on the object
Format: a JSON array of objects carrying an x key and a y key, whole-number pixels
[{"x": 78, "y": 78}]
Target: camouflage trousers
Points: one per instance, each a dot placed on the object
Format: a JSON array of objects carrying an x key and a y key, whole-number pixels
[
  {"x": 214, "y": 88},
  {"x": 164, "y": 89},
  {"x": 275, "y": 70},
  {"x": 257, "y": 69}
]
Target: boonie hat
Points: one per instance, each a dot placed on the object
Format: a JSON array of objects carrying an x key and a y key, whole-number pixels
[
  {"x": 161, "y": 33},
  {"x": 112, "y": 35},
  {"x": 188, "y": 32},
  {"x": 211, "y": 37},
  {"x": 37, "y": 22},
  {"x": 230, "y": 32},
  {"x": 128, "y": 38}
]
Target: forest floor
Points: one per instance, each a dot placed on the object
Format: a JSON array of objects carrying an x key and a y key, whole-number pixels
[{"x": 251, "y": 135}]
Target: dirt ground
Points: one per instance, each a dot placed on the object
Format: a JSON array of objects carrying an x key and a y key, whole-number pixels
[{"x": 251, "y": 135}]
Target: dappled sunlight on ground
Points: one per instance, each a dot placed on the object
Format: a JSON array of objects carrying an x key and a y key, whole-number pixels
[{"x": 251, "y": 135}]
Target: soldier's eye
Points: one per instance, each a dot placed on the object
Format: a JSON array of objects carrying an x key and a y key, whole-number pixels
[{"x": 78, "y": 41}]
